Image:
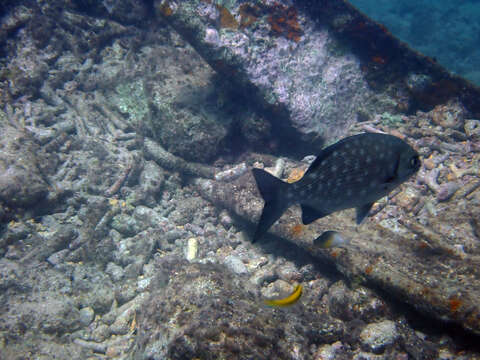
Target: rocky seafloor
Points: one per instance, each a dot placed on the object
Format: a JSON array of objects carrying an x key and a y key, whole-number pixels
[{"x": 127, "y": 205}]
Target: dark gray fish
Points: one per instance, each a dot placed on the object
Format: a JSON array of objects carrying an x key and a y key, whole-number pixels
[{"x": 354, "y": 172}]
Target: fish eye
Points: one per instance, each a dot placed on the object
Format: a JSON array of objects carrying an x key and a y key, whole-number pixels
[{"x": 414, "y": 162}]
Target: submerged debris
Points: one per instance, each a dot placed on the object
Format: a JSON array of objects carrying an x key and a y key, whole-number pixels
[{"x": 232, "y": 173}]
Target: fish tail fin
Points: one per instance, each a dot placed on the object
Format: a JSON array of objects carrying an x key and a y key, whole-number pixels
[{"x": 273, "y": 191}]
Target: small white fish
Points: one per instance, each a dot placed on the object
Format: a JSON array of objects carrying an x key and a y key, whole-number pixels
[{"x": 330, "y": 239}]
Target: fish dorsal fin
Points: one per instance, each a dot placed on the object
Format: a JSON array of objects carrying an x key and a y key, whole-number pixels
[
  {"x": 362, "y": 212},
  {"x": 310, "y": 214},
  {"x": 322, "y": 156}
]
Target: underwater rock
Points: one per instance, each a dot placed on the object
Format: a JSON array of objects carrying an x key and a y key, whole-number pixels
[
  {"x": 147, "y": 217},
  {"x": 127, "y": 11},
  {"x": 191, "y": 249},
  {"x": 126, "y": 313},
  {"x": 235, "y": 265},
  {"x": 204, "y": 311},
  {"x": 289, "y": 272},
  {"x": 86, "y": 315},
  {"x": 126, "y": 224},
  {"x": 192, "y": 136},
  {"x": 226, "y": 220},
  {"x": 133, "y": 252},
  {"x": 450, "y": 115},
  {"x": 53, "y": 243},
  {"x": 186, "y": 210},
  {"x": 186, "y": 112},
  {"x": 472, "y": 128},
  {"x": 377, "y": 336},
  {"x": 330, "y": 352},
  {"x": 116, "y": 272},
  {"x": 256, "y": 129},
  {"x": 151, "y": 181},
  {"x": 58, "y": 257},
  {"x": 10, "y": 275},
  {"x": 321, "y": 89},
  {"x": 21, "y": 182},
  {"x": 232, "y": 173}
]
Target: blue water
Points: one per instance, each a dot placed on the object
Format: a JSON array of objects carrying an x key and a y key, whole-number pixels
[{"x": 448, "y": 31}]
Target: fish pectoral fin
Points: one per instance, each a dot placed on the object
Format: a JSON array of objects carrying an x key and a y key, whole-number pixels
[
  {"x": 362, "y": 212},
  {"x": 310, "y": 214},
  {"x": 391, "y": 177}
]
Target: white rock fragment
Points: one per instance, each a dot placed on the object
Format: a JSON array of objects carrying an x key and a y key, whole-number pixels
[
  {"x": 142, "y": 284},
  {"x": 235, "y": 264},
  {"x": 279, "y": 167},
  {"x": 226, "y": 220},
  {"x": 376, "y": 337},
  {"x": 211, "y": 36},
  {"x": 232, "y": 173},
  {"x": 460, "y": 250},
  {"x": 472, "y": 127},
  {"x": 329, "y": 352},
  {"x": 309, "y": 159},
  {"x": 86, "y": 315},
  {"x": 191, "y": 249}
]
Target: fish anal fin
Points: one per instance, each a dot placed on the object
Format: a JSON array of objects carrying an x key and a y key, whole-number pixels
[
  {"x": 362, "y": 212},
  {"x": 310, "y": 214}
]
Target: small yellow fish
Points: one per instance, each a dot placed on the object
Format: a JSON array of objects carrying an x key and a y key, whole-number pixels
[
  {"x": 330, "y": 239},
  {"x": 289, "y": 300}
]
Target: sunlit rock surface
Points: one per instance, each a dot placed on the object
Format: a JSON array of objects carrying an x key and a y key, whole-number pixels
[{"x": 289, "y": 64}]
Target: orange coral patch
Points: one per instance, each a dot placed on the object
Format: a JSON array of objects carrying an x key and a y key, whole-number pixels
[
  {"x": 379, "y": 60},
  {"x": 165, "y": 9},
  {"x": 297, "y": 230},
  {"x": 227, "y": 20},
  {"x": 454, "y": 303},
  {"x": 368, "y": 269},
  {"x": 284, "y": 22},
  {"x": 248, "y": 14},
  {"x": 295, "y": 175}
]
